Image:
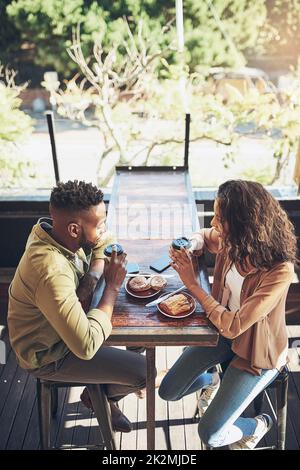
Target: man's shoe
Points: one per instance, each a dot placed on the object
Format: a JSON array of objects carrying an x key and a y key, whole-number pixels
[
  {"x": 85, "y": 398},
  {"x": 207, "y": 397},
  {"x": 118, "y": 420},
  {"x": 264, "y": 424}
]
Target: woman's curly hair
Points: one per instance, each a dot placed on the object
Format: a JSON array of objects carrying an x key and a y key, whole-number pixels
[
  {"x": 258, "y": 227},
  {"x": 75, "y": 196}
]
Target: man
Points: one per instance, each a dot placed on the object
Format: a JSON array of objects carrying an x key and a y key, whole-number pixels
[{"x": 52, "y": 330}]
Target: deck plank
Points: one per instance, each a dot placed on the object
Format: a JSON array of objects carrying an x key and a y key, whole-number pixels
[
  {"x": 95, "y": 438},
  {"x": 142, "y": 420},
  {"x": 56, "y": 420},
  {"x": 66, "y": 429},
  {"x": 161, "y": 406},
  {"x": 130, "y": 409},
  {"x": 13, "y": 390},
  {"x": 129, "y": 406},
  {"x": 192, "y": 440},
  {"x": 20, "y": 424},
  {"x": 175, "y": 408},
  {"x": 81, "y": 423},
  {"x": 141, "y": 424},
  {"x": 8, "y": 373},
  {"x": 75, "y": 425},
  {"x": 32, "y": 439}
]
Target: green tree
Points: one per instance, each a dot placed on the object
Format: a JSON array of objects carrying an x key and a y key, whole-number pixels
[
  {"x": 15, "y": 126},
  {"x": 113, "y": 88},
  {"x": 47, "y": 27},
  {"x": 216, "y": 32},
  {"x": 10, "y": 37}
]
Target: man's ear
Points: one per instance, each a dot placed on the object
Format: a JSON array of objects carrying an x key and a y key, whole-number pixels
[{"x": 73, "y": 230}]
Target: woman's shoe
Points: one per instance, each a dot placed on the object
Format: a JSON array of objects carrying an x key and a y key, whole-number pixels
[
  {"x": 207, "y": 397},
  {"x": 264, "y": 424}
]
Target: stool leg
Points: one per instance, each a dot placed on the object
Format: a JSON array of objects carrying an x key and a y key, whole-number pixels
[
  {"x": 281, "y": 397},
  {"x": 44, "y": 412},
  {"x": 102, "y": 412},
  {"x": 54, "y": 400},
  {"x": 196, "y": 412},
  {"x": 258, "y": 402}
]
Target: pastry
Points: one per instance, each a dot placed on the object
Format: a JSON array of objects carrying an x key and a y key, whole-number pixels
[
  {"x": 176, "y": 305},
  {"x": 139, "y": 283},
  {"x": 158, "y": 282}
]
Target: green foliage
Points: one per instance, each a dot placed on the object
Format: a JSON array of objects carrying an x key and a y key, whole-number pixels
[
  {"x": 151, "y": 127},
  {"x": 216, "y": 33},
  {"x": 14, "y": 170},
  {"x": 15, "y": 126},
  {"x": 14, "y": 123},
  {"x": 10, "y": 37},
  {"x": 47, "y": 26},
  {"x": 261, "y": 175}
]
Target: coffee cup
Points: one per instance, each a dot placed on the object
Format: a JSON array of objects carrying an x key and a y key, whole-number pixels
[
  {"x": 182, "y": 242},
  {"x": 114, "y": 246}
]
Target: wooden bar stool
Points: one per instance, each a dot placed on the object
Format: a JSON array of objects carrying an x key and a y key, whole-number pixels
[
  {"x": 47, "y": 398},
  {"x": 279, "y": 411}
]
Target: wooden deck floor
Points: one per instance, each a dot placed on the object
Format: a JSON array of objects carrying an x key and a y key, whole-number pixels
[{"x": 75, "y": 426}]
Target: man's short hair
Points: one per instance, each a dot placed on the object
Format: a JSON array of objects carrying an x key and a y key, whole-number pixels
[{"x": 75, "y": 196}]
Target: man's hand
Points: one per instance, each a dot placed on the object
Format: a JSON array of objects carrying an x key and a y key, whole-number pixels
[
  {"x": 115, "y": 271},
  {"x": 182, "y": 263},
  {"x": 114, "y": 274}
]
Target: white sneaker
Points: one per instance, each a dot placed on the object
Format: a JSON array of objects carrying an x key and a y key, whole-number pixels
[
  {"x": 207, "y": 397},
  {"x": 264, "y": 424}
]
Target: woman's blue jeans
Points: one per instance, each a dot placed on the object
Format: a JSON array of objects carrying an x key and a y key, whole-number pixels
[{"x": 221, "y": 424}]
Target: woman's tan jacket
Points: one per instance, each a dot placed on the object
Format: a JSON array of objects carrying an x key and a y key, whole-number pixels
[{"x": 258, "y": 328}]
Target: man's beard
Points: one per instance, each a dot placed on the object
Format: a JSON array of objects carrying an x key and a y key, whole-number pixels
[{"x": 85, "y": 244}]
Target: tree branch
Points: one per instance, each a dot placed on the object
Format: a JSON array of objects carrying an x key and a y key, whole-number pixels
[{"x": 177, "y": 141}]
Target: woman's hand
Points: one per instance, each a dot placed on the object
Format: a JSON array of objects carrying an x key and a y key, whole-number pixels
[{"x": 182, "y": 263}]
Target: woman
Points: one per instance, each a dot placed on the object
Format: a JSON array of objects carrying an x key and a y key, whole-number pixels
[{"x": 255, "y": 249}]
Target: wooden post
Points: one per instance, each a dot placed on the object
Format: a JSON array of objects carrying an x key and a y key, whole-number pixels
[
  {"x": 187, "y": 140},
  {"x": 50, "y": 122}
]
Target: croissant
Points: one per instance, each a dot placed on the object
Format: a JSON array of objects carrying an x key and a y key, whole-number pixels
[{"x": 176, "y": 305}]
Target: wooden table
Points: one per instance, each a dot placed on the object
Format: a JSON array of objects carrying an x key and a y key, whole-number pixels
[{"x": 135, "y": 196}]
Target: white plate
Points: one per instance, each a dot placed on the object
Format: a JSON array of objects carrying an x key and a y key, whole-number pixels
[
  {"x": 192, "y": 309},
  {"x": 141, "y": 295}
]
